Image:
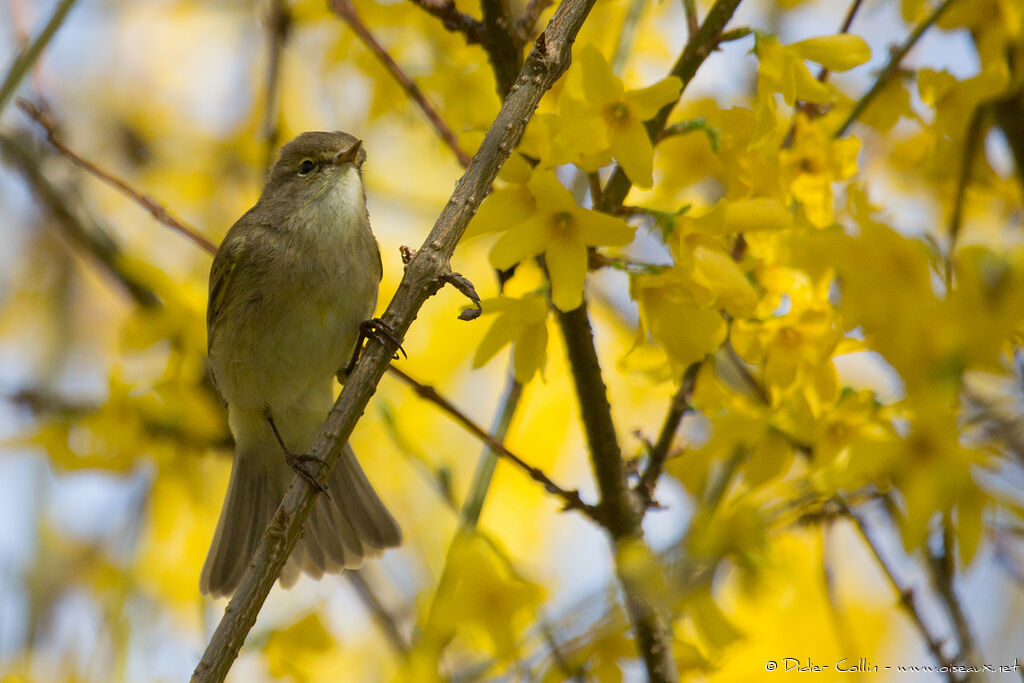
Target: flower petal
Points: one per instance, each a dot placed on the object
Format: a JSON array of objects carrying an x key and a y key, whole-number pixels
[
  {"x": 550, "y": 195},
  {"x": 646, "y": 102},
  {"x": 500, "y": 334},
  {"x": 529, "y": 354},
  {"x": 836, "y": 53},
  {"x": 632, "y": 149},
  {"x": 567, "y": 266},
  {"x": 759, "y": 213},
  {"x": 600, "y": 85},
  {"x": 521, "y": 242},
  {"x": 502, "y": 210},
  {"x": 596, "y": 228}
]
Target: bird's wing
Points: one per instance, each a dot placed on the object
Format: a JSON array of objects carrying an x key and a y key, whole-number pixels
[{"x": 230, "y": 254}]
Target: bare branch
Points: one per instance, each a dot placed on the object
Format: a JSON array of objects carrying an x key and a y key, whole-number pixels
[
  {"x": 942, "y": 566},
  {"x": 453, "y": 19},
  {"x": 972, "y": 145},
  {"x": 908, "y": 598},
  {"x": 278, "y": 25},
  {"x": 421, "y": 281},
  {"x": 380, "y": 613},
  {"x": 571, "y": 499},
  {"x": 45, "y": 119},
  {"x": 525, "y": 24},
  {"x": 692, "y": 23},
  {"x": 503, "y": 49},
  {"x": 347, "y": 12},
  {"x": 83, "y": 232},
  {"x": 679, "y": 406}
]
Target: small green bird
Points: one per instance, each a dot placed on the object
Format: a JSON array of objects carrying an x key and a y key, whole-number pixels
[{"x": 290, "y": 286}]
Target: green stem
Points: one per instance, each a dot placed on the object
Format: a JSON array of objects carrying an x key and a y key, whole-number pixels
[
  {"x": 891, "y": 69},
  {"x": 23, "y": 62},
  {"x": 626, "y": 34},
  {"x": 474, "y": 503}
]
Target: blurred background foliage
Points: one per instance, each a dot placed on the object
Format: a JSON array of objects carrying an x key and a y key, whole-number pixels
[{"x": 847, "y": 481}]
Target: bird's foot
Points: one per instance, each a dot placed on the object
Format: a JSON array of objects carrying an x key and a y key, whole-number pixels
[
  {"x": 300, "y": 463},
  {"x": 376, "y": 329}
]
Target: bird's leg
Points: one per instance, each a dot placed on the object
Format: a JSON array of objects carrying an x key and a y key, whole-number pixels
[
  {"x": 374, "y": 328},
  {"x": 297, "y": 461}
]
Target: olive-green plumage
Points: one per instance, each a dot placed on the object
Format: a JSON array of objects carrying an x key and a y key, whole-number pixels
[{"x": 289, "y": 287}]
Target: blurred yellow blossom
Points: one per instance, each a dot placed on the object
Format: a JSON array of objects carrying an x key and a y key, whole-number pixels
[
  {"x": 782, "y": 69},
  {"x": 811, "y": 166}
]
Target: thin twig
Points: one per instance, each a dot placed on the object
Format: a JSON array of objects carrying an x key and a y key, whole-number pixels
[
  {"x": 810, "y": 109},
  {"x": 504, "y": 51},
  {"x": 907, "y": 596},
  {"x": 525, "y": 24},
  {"x": 27, "y": 57},
  {"x": 972, "y": 145},
  {"x": 95, "y": 240},
  {"x": 891, "y": 68},
  {"x": 692, "y": 23},
  {"x": 347, "y": 12},
  {"x": 698, "y": 48},
  {"x": 752, "y": 382},
  {"x": 851, "y": 12},
  {"x": 571, "y": 671},
  {"x": 844, "y": 634},
  {"x": 422, "y": 279},
  {"x": 942, "y": 566},
  {"x": 278, "y": 22},
  {"x": 380, "y": 613},
  {"x": 452, "y": 19},
  {"x": 571, "y": 499},
  {"x": 678, "y": 407},
  {"x": 157, "y": 210}
]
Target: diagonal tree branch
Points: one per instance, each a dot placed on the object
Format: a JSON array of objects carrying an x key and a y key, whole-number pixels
[
  {"x": 678, "y": 408},
  {"x": 570, "y": 499},
  {"x": 423, "y": 277},
  {"x": 908, "y": 598},
  {"x": 45, "y": 119},
  {"x": 27, "y": 57},
  {"x": 347, "y": 12},
  {"x": 891, "y": 68},
  {"x": 473, "y": 505},
  {"x": 74, "y": 223}
]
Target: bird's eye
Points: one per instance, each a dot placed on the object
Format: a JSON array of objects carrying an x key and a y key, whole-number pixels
[{"x": 306, "y": 167}]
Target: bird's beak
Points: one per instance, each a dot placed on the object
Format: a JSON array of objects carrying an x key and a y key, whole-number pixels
[{"x": 349, "y": 154}]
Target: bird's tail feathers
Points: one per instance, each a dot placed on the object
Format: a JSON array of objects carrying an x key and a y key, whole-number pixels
[{"x": 341, "y": 530}]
